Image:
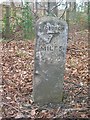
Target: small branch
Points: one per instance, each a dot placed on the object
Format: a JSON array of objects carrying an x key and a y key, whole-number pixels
[
  {"x": 79, "y": 86},
  {"x": 65, "y": 112},
  {"x": 79, "y": 92},
  {"x": 47, "y": 10},
  {"x": 11, "y": 106},
  {"x": 77, "y": 109},
  {"x": 73, "y": 83},
  {"x": 63, "y": 13},
  {"x": 57, "y": 5}
]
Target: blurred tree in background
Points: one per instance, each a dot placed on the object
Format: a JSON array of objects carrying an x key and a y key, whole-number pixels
[{"x": 19, "y": 19}]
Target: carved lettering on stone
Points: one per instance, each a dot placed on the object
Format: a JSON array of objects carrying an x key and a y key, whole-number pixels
[{"x": 50, "y": 52}]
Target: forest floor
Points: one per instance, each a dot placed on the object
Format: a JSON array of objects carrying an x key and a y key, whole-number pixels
[{"x": 17, "y": 61}]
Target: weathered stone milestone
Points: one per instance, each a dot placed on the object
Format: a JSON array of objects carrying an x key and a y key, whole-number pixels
[{"x": 50, "y": 53}]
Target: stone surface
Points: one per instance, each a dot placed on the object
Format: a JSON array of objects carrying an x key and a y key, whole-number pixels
[{"x": 50, "y": 52}]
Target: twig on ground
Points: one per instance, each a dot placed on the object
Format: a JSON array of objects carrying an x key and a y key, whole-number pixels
[{"x": 16, "y": 109}]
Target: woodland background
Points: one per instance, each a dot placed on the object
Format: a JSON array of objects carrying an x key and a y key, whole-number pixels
[{"x": 17, "y": 32}]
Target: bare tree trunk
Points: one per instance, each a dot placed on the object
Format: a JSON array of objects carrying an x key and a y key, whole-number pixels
[
  {"x": 7, "y": 24},
  {"x": 73, "y": 6},
  {"x": 36, "y": 6},
  {"x": 67, "y": 14},
  {"x": 21, "y": 3},
  {"x": 51, "y": 6},
  {"x": 73, "y": 11},
  {"x": 45, "y": 6},
  {"x": 48, "y": 8},
  {"x": 13, "y": 7}
]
